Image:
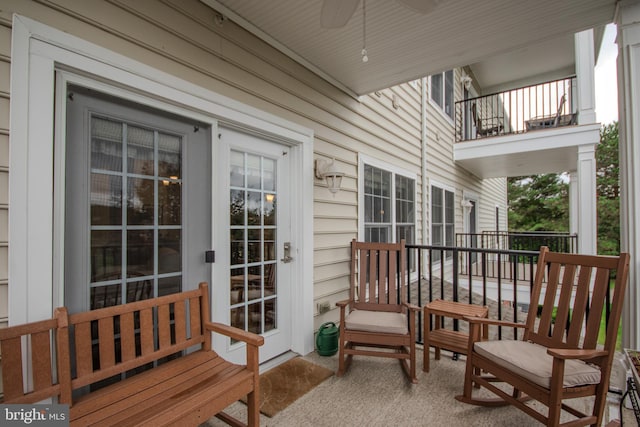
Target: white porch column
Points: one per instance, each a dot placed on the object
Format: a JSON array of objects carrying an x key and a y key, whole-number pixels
[
  {"x": 628, "y": 21},
  {"x": 587, "y": 219},
  {"x": 585, "y": 63},
  {"x": 573, "y": 202}
]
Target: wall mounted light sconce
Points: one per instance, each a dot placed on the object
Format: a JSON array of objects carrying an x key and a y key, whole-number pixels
[
  {"x": 466, "y": 205},
  {"x": 466, "y": 81},
  {"x": 328, "y": 171}
]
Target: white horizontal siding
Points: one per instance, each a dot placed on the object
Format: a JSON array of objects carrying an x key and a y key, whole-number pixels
[{"x": 181, "y": 37}]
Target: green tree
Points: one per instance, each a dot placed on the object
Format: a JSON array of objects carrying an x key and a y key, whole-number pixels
[
  {"x": 538, "y": 203},
  {"x": 608, "y": 190}
]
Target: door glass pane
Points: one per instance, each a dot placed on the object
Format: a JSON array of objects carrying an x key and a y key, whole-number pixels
[
  {"x": 269, "y": 315},
  {"x": 254, "y": 245},
  {"x": 170, "y": 203},
  {"x": 106, "y": 199},
  {"x": 136, "y": 253},
  {"x": 105, "y": 296},
  {"x": 237, "y": 247},
  {"x": 106, "y": 144},
  {"x": 255, "y": 318},
  {"x": 140, "y": 244},
  {"x": 253, "y": 225},
  {"x": 169, "y": 156},
  {"x": 270, "y": 209},
  {"x": 269, "y": 244},
  {"x": 106, "y": 255},
  {"x": 140, "y": 151},
  {"x": 169, "y": 258},
  {"x": 140, "y": 201},
  {"x": 139, "y": 290},
  {"x": 269, "y": 178},
  {"x": 237, "y": 207},
  {"x": 254, "y": 207}
]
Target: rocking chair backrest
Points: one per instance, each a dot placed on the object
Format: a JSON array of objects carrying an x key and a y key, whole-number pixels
[
  {"x": 572, "y": 301},
  {"x": 378, "y": 276}
]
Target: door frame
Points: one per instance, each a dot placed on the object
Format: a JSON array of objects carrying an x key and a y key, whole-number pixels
[{"x": 35, "y": 261}]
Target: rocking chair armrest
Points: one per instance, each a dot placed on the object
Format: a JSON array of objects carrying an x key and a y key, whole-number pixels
[
  {"x": 580, "y": 354},
  {"x": 344, "y": 303},
  {"x": 411, "y": 307},
  {"x": 484, "y": 321}
]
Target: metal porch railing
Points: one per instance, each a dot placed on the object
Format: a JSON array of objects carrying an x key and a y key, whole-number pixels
[{"x": 541, "y": 106}]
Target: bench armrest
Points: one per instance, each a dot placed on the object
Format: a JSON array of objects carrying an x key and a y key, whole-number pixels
[
  {"x": 580, "y": 354},
  {"x": 235, "y": 333}
]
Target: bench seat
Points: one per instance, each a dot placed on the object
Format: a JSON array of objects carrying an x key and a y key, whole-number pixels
[{"x": 186, "y": 390}]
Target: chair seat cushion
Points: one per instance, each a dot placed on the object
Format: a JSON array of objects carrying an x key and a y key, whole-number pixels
[
  {"x": 377, "y": 321},
  {"x": 532, "y": 362}
]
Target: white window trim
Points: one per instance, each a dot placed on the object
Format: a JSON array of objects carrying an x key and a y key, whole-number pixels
[
  {"x": 34, "y": 262},
  {"x": 364, "y": 159},
  {"x": 438, "y": 107}
]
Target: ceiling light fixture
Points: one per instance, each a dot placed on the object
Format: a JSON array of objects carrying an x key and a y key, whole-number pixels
[{"x": 365, "y": 57}]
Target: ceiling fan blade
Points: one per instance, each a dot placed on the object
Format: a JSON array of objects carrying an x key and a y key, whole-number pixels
[
  {"x": 420, "y": 6},
  {"x": 336, "y": 13}
]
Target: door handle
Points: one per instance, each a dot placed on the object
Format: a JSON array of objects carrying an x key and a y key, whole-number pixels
[{"x": 287, "y": 253}]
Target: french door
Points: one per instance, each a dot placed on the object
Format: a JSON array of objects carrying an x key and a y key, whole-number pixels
[
  {"x": 145, "y": 203},
  {"x": 137, "y": 202},
  {"x": 253, "y": 283}
]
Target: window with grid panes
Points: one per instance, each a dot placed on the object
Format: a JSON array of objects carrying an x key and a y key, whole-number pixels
[
  {"x": 442, "y": 91},
  {"x": 389, "y": 206},
  {"x": 442, "y": 220}
]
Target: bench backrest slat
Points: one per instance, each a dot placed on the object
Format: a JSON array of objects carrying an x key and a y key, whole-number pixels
[
  {"x": 164, "y": 326},
  {"x": 106, "y": 344},
  {"x": 12, "y": 378},
  {"x": 36, "y": 338},
  {"x": 127, "y": 337},
  {"x": 180, "y": 321},
  {"x": 194, "y": 308},
  {"x": 146, "y": 331},
  {"x": 84, "y": 360},
  {"x": 41, "y": 359}
]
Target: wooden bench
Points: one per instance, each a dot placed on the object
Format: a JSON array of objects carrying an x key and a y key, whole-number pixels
[{"x": 98, "y": 352}]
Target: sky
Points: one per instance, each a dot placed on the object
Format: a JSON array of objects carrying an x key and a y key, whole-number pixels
[{"x": 606, "y": 79}]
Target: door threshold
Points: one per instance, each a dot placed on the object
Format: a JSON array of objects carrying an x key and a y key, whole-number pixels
[{"x": 276, "y": 361}]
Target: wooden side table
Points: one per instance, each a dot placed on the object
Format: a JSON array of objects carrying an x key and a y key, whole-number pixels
[{"x": 438, "y": 338}]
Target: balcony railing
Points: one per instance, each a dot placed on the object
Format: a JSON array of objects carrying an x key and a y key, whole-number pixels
[
  {"x": 519, "y": 240},
  {"x": 506, "y": 295},
  {"x": 541, "y": 106},
  {"x": 509, "y": 241}
]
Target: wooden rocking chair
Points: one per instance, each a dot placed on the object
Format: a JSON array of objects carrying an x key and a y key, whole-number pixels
[
  {"x": 559, "y": 357},
  {"x": 376, "y": 315}
]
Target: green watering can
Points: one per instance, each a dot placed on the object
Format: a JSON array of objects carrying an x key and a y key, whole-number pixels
[{"x": 327, "y": 339}]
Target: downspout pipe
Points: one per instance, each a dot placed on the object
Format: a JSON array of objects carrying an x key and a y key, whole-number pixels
[{"x": 423, "y": 164}]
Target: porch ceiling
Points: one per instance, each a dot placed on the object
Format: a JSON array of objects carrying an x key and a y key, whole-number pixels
[{"x": 403, "y": 45}]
